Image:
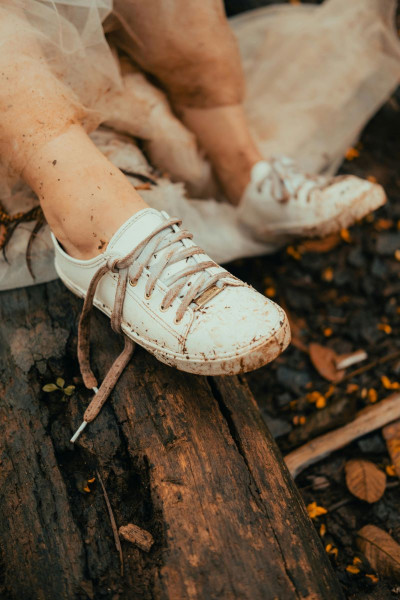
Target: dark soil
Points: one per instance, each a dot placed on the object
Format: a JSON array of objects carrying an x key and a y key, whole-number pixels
[{"x": 347, "y": 299}]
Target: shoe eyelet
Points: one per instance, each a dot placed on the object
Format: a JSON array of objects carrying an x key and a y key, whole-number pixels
[
  {"x": 164, "y": 308},
  {"x": 132, "y": 283},
  {"x": 147, "y": 296},
  {"x": 176, "y": 321}
]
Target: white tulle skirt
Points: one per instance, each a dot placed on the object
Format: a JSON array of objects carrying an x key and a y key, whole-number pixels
[{"x": 314, "y": 76}]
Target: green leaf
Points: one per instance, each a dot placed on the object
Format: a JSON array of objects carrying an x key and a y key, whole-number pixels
[
  {"x": 68, "y": 391},
  {"x": 60, "y": 382},
  {"x": 50, "y": 387}
]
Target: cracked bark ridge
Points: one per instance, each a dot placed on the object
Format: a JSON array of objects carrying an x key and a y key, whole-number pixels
[{"x": 186, "y": 458}]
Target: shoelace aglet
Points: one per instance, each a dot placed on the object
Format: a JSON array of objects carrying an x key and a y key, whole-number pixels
[
  {"x": 78, "y": 431},
  {"x": 83, "y": 424}
]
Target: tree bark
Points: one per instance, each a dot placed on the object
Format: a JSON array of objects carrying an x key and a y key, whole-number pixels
[{"x": 186, "y": 458}]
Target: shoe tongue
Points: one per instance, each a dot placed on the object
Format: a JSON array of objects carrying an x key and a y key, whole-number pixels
[{"x": 134, "y": 230}]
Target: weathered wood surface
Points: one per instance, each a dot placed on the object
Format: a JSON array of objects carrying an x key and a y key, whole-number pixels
[{"x": 186, "y": 458}]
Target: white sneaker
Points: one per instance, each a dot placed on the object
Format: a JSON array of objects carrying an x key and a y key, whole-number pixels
[
  {"x": 165, "y": 294},
  {"x": 280, "y": 203}
]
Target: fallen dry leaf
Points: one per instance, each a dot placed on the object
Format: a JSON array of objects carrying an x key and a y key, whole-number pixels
[
  {"x": 381, "y": 550},
  {"x": 364, "y": 480},
  {"x": 391, "y": 434},
  {"x": 324, "y": 360},
  {"x": 136, "y": 535},
  {"x": 324, "y": 245}
]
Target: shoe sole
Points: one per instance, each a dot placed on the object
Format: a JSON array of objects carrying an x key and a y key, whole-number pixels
[
  {"x": 368, "y": 202},
  {"x": 252, "y": 358}
]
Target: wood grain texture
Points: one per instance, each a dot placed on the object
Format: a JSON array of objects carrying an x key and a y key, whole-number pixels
[{"x": 186, "y": 458}]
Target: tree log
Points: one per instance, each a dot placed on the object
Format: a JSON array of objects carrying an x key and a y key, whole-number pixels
[{"x": 186, "y": 458}]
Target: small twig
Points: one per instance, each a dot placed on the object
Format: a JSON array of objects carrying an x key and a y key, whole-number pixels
[
  {"x": 371, "y": 365},
  {"x": 113, "y": 524},
  {"x": 345, "y": 361},
  {"x": 339, "y": 504},
  {"x": 392, "y": 484},
  {"x": 369, "y": 419}
]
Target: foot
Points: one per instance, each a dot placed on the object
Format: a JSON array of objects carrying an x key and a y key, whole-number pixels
[
  {"x": 179, "y": 305},
  {"x": 281, "y": 204},
  {"x": 164, "y": 293}
]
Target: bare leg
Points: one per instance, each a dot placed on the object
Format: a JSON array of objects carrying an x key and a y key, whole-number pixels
[
  {"x": 190, "y": 48},
  {"x": 223, "y": 132},
  {"x": 84, "y": 197}
]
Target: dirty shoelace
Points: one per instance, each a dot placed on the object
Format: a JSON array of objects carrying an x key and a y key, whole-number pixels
[
  {"x": 163, "y": 242},
  {"x": 284, "y": 180}
]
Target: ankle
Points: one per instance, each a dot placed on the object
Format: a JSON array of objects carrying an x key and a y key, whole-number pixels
[
  {"x": 224, "y": 135},
  {"x": 234, "y": 175},
  {"x": 84, "y": 197}
]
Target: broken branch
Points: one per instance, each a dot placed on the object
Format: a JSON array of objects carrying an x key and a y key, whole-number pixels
[{"x": 367, "y": 420}]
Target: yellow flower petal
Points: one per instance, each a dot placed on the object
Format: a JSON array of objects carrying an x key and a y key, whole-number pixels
[
  {"x": 385, "y": 327},
  {"x": 315, "y": 511},
  {"x": 345, "y": 235},
  {"x": 352, "y": 569},
  {"x": 352, "y": 153},
  {"x": 291, "y": 250},
  {"x": 390, "y": 470},
  {"x": 270, "y": 292},
  {"x": 388, "y": 385},
  {"x": 327, "y": 274}
]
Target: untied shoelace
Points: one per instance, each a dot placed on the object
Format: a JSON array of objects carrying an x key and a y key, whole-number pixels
[{"x": 131, "y": 267}]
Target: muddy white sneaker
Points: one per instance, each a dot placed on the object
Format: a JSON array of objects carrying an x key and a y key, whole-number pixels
[
  {"x": 280, "y": 203},
  {"x": 165, "y": 294}
]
